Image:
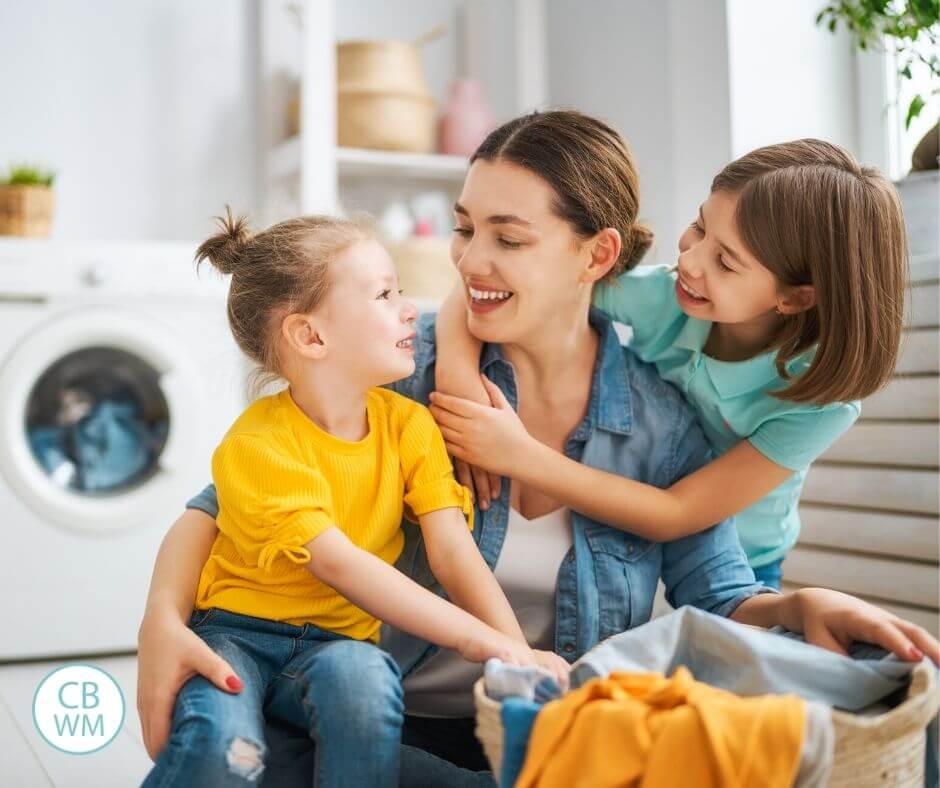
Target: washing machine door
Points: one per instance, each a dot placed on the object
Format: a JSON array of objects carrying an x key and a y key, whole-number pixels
[{"x": 100, "y": 409}]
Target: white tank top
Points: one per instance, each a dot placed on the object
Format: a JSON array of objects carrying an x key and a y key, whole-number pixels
[{"x": 527, "y": 570}]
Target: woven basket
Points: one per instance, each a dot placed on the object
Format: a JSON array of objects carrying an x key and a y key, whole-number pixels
[
  {"x": 383, "y": 100},
  {"x": 26, "y": 210},
  {"x": 870, "y": 752}
]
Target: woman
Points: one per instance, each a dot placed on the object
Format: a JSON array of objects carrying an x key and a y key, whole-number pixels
[{"x": 535, "y": 212}]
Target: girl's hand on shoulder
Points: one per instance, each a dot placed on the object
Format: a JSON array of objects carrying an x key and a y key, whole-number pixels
[
  {"x": 169, "y": 653},
  {"x": 834, "y": 621},
  {"x": 554, "y": 665},
  {"x": 491, "y": 437}
]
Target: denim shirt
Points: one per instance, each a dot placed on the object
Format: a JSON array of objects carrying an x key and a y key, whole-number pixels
[{"x": 636, "y": 426}]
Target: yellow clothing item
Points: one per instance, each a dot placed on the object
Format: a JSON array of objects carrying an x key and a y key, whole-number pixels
[
  {"x": 282, "y": 480},
  {"x": 643, "y": 729}
]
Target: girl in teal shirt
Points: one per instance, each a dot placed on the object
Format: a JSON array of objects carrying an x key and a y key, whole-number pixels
[{"x": 784, "y": 310}]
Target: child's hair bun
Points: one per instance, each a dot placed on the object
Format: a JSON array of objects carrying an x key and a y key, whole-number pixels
[{"x": 226, "y": 249}]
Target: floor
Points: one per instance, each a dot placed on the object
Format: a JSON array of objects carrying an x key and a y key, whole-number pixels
[{"x": 27, "y": 760}]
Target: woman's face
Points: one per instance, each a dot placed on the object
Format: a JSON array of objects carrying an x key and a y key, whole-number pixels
[{"x": 519, "y": 262}]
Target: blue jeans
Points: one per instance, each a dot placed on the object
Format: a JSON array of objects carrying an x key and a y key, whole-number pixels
[
  {"x": 770, "y": 574},
  {"x": 344, "y": 694}
]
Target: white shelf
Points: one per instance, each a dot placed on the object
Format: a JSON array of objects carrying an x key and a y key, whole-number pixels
[{"x": 284, "y": 162}]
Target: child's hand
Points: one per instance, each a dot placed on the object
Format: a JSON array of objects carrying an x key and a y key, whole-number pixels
[
  {"x": 555, "y": 665},
  {"x": 491, "y": 437},
  {"x": 169, "y": 653},
  {"x": 487, "y": 642}
]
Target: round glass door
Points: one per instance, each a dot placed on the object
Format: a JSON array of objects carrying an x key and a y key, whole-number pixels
[{"x": 97, "y": 421}]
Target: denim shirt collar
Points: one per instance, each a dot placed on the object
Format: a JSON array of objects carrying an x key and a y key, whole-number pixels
[{"x": 610, "y": 408}]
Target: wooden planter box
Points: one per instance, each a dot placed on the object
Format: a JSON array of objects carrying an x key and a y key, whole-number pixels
[{"x": 26, "y": 210}]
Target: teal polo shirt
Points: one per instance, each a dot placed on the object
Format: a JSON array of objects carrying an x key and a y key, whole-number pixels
[{"x": 732, "y": 400}]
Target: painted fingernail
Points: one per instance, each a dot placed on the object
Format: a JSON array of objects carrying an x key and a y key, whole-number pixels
[
  {"x": 916, "y": 653},
  {"x": 233, "y": 682}
]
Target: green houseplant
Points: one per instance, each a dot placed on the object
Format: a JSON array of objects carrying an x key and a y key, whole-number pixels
[
  {"x": 911, "y": 28},
  {"x": 27, "y": 201}
]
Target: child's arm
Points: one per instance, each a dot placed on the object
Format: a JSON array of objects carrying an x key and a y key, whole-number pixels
[
  {"x": 456, "y": 371},
  {"x": 459, "y": 567},
  {"x": 384, "y": 592},
  {"x": 496, "y": 439}
]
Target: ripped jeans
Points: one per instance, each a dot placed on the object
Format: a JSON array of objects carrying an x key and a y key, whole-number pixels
[{"x": 345, "y": 693}]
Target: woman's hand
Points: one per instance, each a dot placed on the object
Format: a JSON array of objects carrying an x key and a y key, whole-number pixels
[
  {"x": 554, "y": 665},
  {"x": 493, "y": 438},
  {"x": 834, "y": 621},
  {"x": 169, "y": 653}
]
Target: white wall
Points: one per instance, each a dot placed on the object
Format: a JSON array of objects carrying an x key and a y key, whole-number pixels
[
  {"x": 145, "y": 108},
  {"x": 658, "y": 72},
  {"x": 789, "y": 78}
]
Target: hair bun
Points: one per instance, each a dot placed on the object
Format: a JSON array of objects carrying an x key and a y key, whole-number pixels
[
  {"x": 641, "y": 239},
  {"x": 225, "y": 250}
]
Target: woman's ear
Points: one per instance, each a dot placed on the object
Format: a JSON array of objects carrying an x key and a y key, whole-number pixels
[
  {"x": 605, "y": 251},
  {"x": 796, "y": 299},
  {"x": 303, "y": 336}
]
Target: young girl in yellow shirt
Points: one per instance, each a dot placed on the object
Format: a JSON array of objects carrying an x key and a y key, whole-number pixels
[{"x": 312, "y": 484}]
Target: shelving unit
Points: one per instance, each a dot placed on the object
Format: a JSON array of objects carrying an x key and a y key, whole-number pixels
[
  {"x": 309, "y": 173},
  {"x": 284, "y": 161}
]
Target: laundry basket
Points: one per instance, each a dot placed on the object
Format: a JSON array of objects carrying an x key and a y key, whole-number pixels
[{"x": 878, "y": 751}]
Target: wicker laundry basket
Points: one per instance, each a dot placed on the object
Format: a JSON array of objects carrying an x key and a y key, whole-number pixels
[{"x": 883, "y": 750}]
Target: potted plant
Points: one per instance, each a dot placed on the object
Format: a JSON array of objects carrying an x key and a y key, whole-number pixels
[
  {"x": 910, "y": 27},
  {"x": 27, "y": 201}
]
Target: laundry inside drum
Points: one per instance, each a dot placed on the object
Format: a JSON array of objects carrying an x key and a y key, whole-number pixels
[{"x": 97, "y": 421}]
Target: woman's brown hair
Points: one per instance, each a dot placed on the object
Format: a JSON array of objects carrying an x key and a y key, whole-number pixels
[
  {"x": 280, "y": 271},
  {"x": 590, "y": 169},
  {"x": 811, "y": 214}
]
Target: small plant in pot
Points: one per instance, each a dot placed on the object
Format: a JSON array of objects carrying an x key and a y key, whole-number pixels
[
  {"x": 27, "y": 201},
  {"x": 911, "y": 30}
]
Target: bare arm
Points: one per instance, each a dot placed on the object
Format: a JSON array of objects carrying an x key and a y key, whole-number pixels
[
  {"x": 460, "y": 568},
  {"x": 495, "y": 438},
  {"x": 384, "y": 592},
  {"x": 724, "y": 487},
  {"x": 179, "y": 563},
  {"x": 457, "y": 372}
]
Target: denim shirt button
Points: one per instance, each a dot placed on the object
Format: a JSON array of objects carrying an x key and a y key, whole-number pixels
[
  {"x": 630, "y": 548},
  {"x": 569, "y": 647}
]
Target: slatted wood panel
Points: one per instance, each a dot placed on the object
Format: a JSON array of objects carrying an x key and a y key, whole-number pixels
[
  {"x": 870, "y": 505},
  {"x": 887, "y": 443},
  {"x": 905, "y": 399}
]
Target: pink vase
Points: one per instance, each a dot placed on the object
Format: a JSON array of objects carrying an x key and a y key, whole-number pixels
[{"x": 467, "y": 119}]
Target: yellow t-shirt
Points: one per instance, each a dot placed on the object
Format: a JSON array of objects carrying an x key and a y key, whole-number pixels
[{"x": 282, "y": 481}]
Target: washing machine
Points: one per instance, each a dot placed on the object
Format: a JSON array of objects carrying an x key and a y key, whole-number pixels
[{"x": 118, "y": 377}]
